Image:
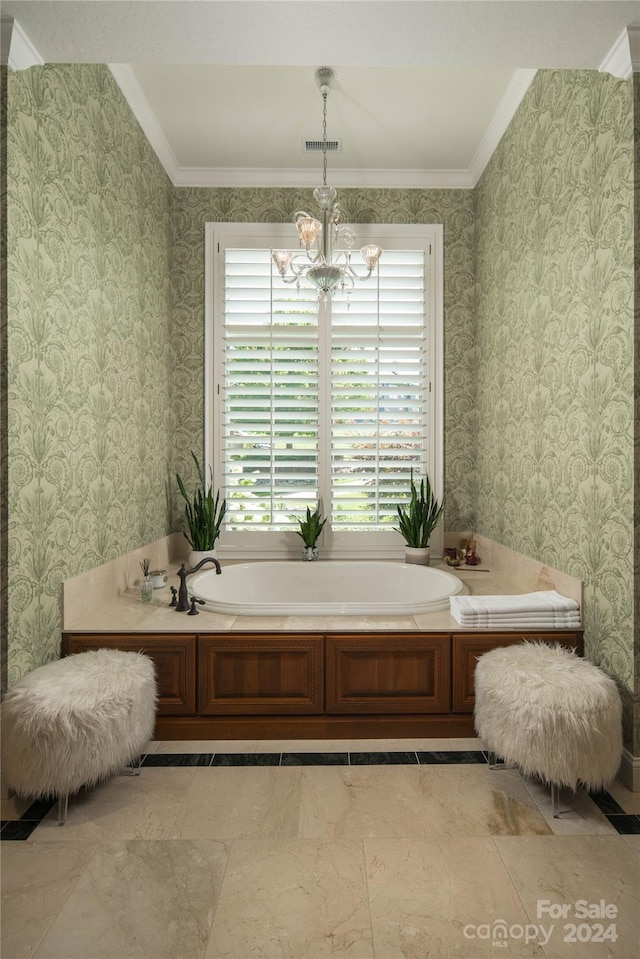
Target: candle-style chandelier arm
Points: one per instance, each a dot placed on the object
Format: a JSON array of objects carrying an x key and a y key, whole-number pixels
[{"x": 291, "y": 266}]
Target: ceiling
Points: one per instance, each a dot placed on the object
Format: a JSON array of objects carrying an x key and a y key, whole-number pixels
[{"x": 225, "y": 88}]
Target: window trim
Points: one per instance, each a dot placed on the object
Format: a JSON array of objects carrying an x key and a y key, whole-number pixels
[{"x": 354, "y": 545}]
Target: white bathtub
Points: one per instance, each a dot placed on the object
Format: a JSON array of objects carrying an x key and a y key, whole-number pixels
[{"x": 325, "y": 588}]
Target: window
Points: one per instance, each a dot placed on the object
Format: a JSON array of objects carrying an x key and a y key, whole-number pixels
[{"x": 305, "y": 399}]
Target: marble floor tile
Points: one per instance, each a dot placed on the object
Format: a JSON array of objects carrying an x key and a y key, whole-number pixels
[
  {"x": 633, "y": 842},
  {"x": 567, "y": 869},
  {"x": 229, "y": 802},
  {"x": 125, "y": 807},
  {"x": 579, "y": 814},
  {"x": 348, "y": 745},
  {"x": 358, "y": 801},
  {"x": 208, "y": 746},
  {"x": 473, "y": 800},
  {"x": 36, "y": 880},
  {"x": 295, "y": 899},
  {"x": 300, "y": 746},
  {"x": 148, "y": 899},
  {"x": 434, "y": 897},
  {"x": 466, "y": 743}
]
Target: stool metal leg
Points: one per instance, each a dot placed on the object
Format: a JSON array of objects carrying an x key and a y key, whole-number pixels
[
  {"x": 492, "y": 759},
  {"x": 555, "y": 802},
  {"x": 133, "y": 769},
  {"x": 63, "y": 803}
]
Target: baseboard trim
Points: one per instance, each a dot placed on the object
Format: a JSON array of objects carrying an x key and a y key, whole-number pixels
[{"x": 629, "y": 772}]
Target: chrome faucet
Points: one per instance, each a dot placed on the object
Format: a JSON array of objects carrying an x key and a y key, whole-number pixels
[{"x": 183, "y": 600}]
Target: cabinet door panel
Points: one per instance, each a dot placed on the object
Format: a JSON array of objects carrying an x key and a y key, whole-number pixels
[
  {"x": 174, "y": 658},
  {"x": 267, "y": 673},
  {"x": 388, "y": 673},
  {"x": 468, "y": 647}
]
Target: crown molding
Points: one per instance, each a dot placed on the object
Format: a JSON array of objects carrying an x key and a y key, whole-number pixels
[
  {"x": 511, "y": 100},
  {"x": 623, "y": 58},
  {"x": 230, "y": 177},
  {"x": 21, "y": 53},
  {"x": 345, "y": 178},
  {"x": 134, "y": 95}
]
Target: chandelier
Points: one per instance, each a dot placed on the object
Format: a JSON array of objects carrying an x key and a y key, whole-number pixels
[{"x": 328, "y": 271}]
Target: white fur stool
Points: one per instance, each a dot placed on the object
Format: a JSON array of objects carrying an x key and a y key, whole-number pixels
[
  {"x": 75, "y": 722},
  {"x": 548, "y": 712}
]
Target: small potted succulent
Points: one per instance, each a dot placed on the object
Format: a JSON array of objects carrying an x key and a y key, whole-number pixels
[
  {"x": 310, "y": 528},
  {"x": 204, "y": 514},
  {"x": 417, "y": 520}
]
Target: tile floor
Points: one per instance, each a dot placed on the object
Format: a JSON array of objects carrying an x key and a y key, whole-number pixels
[{"x": 413, "y": 849}]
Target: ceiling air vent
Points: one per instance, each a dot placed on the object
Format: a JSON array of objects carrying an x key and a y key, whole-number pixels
[{"x": 315, "y": 146}]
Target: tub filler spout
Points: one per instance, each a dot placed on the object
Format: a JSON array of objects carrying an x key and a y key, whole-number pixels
[{"x": 183, "y": 599}]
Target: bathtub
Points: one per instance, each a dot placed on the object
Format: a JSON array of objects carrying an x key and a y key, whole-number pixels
[{"x": 325, "y": 589}]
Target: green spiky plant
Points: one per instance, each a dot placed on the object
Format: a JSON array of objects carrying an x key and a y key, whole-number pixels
[
  {"x": 203, "y": 513},
  {"x": 419, "y": 517},
  {"x": 311, "y": 526}
]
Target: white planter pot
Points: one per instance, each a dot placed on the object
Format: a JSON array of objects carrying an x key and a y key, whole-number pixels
[
  {"x": 419, "y": 556},
  {"x": 197, "y": 555},
  {"x": 310, "y": 553}
]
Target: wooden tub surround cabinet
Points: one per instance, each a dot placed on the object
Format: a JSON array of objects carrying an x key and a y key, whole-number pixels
[{"x": 276, "y": 685}]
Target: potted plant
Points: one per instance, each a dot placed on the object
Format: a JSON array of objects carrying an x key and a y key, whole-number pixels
[
  {"x": 416, "y": 521},
  {"x": 204, "y": 515},
  {"x": 310, "y": 529}
]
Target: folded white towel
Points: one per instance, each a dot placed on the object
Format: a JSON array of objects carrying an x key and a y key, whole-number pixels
[
  {"x": 534, "y": 622},
  {"x": 543, "y": 601},
  {"x": 571, "y": 615},
  {"x": 522, "y": 622}
]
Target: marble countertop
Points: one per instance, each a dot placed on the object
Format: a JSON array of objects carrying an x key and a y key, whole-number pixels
[{"x": 125, "y": 613}]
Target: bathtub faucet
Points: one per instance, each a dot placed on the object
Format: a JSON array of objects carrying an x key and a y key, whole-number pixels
[{"x": 183, "y": 599}]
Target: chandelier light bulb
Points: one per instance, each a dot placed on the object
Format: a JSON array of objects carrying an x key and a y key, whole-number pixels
[
  {"x": 371, "y": 254},
  {"x": 282, "y": 260},
  {"x": 308, "y": 228}
]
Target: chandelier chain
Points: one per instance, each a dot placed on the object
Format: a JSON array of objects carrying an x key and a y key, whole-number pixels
[{"x": 324, "y": 139}]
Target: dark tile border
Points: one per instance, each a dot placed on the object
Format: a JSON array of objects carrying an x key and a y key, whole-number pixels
[
  {"x": 626, "y": 824},
  {"x": 449, "y": 757},
  {"x": 20, "y": 829},
  {"x": 314, "y": 759},
  {"x": 246, "y": 759},
  {"x": 177, "y": 759},
  {"x": 383, "y": 759},
  {"x": 606, "y": 803}
]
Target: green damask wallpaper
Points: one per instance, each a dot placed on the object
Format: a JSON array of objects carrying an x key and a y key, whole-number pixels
[
  {"x": 636, "y": 393},
  {"x": 89, "y": 334},
  {"x": 194, "y": 207},
  {"x": 555, "y": 340}
]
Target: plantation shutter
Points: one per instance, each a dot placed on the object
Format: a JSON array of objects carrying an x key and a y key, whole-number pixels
[
  {"x": 318, "y": 401},
  {"x": 379, "y": 392},
  {"x": 269, "y": 393}
]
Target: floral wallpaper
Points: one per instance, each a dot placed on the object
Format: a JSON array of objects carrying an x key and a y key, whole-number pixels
[
  {"x": 89, "y": 336},
  {"x": 4, "y": 459},
  {"x": 636, "y": 619},
  {"x": 555, "y": 340},
  {"x": 193, "y": 207}
]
